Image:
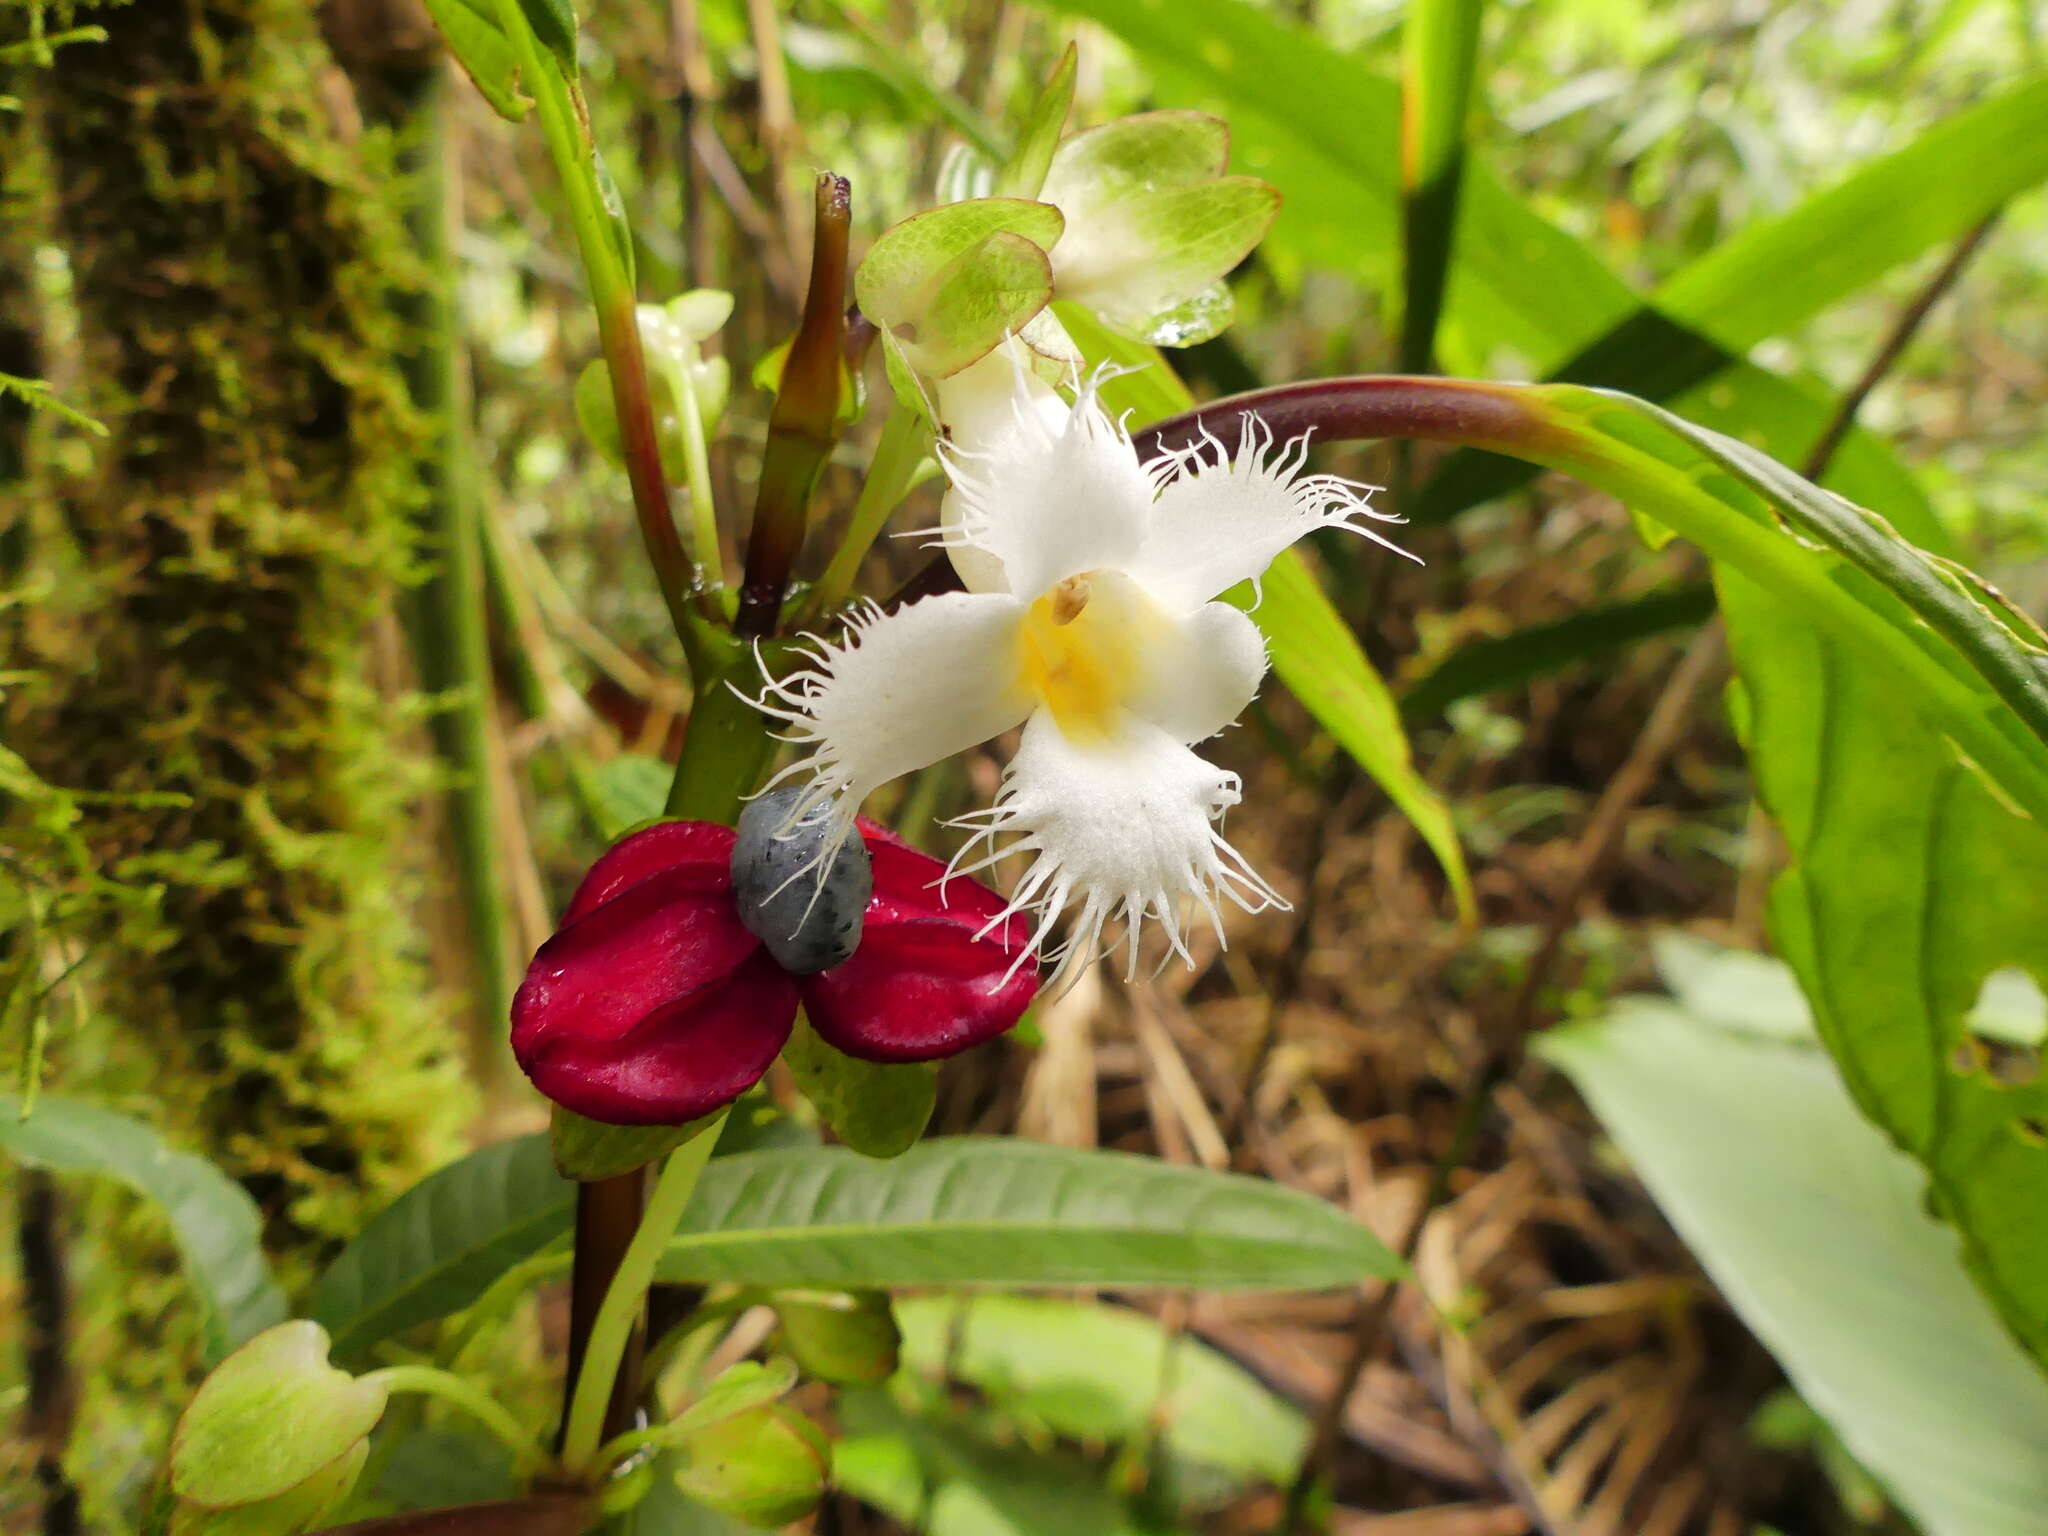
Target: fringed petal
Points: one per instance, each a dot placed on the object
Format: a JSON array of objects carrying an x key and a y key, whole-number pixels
[
  {"x": 1049, "y": 496},
  {"x": 1222, "y": 518},
  {"x": 1120, "y": 829},
  {"x": 903, "y": 690}
]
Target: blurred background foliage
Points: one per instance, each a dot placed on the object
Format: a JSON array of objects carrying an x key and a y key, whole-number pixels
[{"x": 1576, "y": 1372}]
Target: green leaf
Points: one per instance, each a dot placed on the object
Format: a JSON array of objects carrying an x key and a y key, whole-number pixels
[
  {"x": 215, "y": 1224},
  {"x": 877, "y": 1108},
  {"x": 1814, "y": 1230},
  {"x": 950, "y": 283},
  {"x": 1439, "y": 52},
  {"x": 1542, "y": 650},
  {"x": 269, "y": 1417},
  {"x": 1096, "y": 1373},
  {"x": 442, "y": 1244},
  {"x": 1913, "y": 883},
  {"x": 1951, "y": 653},
  {"x": 1315, "y": 654},
  {"x": 941, "y": 1476},
  {"x": 587, "y": 1150},
  {"x": 974, "y": 1211},
  {"x": 1311, "y": 119},
  {"x": 1024, "y": 172},
  {"x": 471, "y": 30},
  {"x": 439, "y": 1246},
  {"x": 554, "y": 23},
  {"x": 1778, "y": 273}
]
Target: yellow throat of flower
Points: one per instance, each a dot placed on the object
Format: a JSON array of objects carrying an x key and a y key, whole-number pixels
[{"x": 1085, "y": 649}]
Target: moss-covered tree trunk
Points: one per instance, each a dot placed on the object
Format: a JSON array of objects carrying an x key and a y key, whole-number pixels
[{"x": 214, "y": 590}]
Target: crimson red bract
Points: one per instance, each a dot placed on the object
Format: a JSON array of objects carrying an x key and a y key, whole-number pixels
[{"x": 653, "y": 1005}]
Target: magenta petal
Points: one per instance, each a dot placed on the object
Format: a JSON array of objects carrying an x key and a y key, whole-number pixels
[
  {"x": 922, "y": 984},
  {"x": 700, "y": 845},
  {"x": 682, "y": 1061},
  {"x": 655, "y": 1007}
]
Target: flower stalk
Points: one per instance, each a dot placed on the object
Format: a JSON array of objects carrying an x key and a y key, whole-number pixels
[{"x": 619, "y": 1317}]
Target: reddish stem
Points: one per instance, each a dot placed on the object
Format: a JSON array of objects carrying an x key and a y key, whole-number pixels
[
  {"x": 1413, "y": 407},
  {"x": 804, "y": 424},
  {"x": 618, "y": 324}
]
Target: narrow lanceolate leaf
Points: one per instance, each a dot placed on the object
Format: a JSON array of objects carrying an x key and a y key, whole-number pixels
[
  {"x": 440, "y": 1245},
  {"x": 1953, "y": 653},
  {"x": 554, "y": 23},
  {"x": 1514, "y": 660},
  {"x": 1307, "y": 117},
  {"x": 975, "y": 1211},
  {"x": 1439, "y": 52},
  {"x": 215, "y": 1224},
  {"x": 470, "y": 28},
  {"x": 1024, "y": 172},
  {"x": 1817, "y": 1233},
  {"x": 1780, "y": 272},
  {"x": 1315, "y": 654}
]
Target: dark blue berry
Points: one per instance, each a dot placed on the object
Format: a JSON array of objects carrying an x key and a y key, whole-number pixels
[{"x": 807, "y": 925}]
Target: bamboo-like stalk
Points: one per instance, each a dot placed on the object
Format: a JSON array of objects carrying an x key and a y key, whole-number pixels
[{"x": 446, "y": 614}]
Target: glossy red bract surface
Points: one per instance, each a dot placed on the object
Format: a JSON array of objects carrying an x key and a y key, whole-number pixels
[{"x": 653, "y": 1005}]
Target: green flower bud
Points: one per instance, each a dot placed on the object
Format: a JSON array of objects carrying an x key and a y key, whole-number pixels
[
  {"x": 669, "y": 337},
  {"x": 767, "y": 1466},
  {"x": 273, "y": 1439}
]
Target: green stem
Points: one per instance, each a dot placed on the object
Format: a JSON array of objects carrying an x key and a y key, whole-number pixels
[
  {"x": 611, "y": 293},
  {"x": 626, "y": 1295},
  {"x": 446, "y": 614},
  {"x": 902, "y": 447},
  {"x": 682, "y": 383},
  {"x": 466, "y": 1395},
  {"x": 727, "y": 747}
]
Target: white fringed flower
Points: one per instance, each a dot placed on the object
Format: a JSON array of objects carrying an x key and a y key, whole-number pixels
[{"x": 1089, "y": 619}]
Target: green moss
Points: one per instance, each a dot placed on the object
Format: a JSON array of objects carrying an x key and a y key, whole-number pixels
[{"x": 213, "y": 668}]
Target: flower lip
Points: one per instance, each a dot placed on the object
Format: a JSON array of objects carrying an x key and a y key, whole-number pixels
[{"x": 654, "y": 1005}]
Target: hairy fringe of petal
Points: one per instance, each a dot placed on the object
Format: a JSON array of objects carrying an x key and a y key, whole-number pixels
[{"x": 1123, "y": 836}]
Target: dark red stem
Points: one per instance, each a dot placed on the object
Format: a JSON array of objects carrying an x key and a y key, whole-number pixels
[
  {"x": 804, "y": 424},
  {"x": 607, "y": 1215},
  {"x": 1412, "y": 407}
]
